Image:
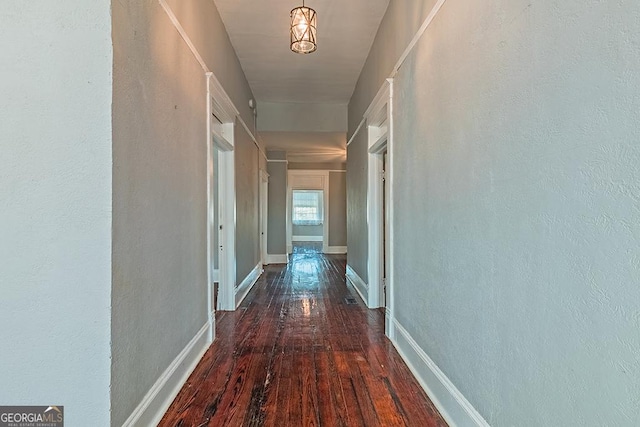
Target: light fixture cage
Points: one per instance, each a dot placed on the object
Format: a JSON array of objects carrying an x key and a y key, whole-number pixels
[{"x": 303, "y": 29}]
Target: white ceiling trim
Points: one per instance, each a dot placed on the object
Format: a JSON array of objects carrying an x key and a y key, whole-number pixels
[
  {"x": 214, "y": 81},
  {"x": 416, "y": 38},
  {"x": 174, "y": 20},
  {"x": 425, "y": 24}
]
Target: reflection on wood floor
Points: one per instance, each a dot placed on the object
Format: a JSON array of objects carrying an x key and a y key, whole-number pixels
[{"x": 297, "y": 353}]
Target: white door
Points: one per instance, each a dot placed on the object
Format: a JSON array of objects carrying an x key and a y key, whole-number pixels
[{"x": 264, "y": 201}]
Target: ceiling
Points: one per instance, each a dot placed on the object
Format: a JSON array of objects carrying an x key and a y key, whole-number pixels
[
  {"x": 308, "y": 147},
  {"x": 259, "y": 33}
]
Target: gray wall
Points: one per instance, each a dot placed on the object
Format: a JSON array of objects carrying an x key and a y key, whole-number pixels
[
  {"x": 159, "y": 174},
  {"x": 159, "y": 185},
  {"x": 277, "y": 206},
  {"x": 247, "y": 204},
  {"x": 338, "y": 209},
  {"x": 516, "y": 177},
  {"x": 399, "y": 24},
  {"x": 55, "y": 206},
  {"x": 201, "y": 20},
  {"x": 357, "y": 237},
  {"x": 289, "y": 117},
  {"x": 307, "y": 230}
]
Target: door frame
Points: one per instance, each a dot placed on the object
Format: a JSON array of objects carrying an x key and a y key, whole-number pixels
[
  {"x": 375, "y": 218},
  {"x": 379, "y": 119},
  {"x": 221, "y": 121}
]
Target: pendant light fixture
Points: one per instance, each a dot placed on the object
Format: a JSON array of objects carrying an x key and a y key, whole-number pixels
[{"x": 303, "y": 29}]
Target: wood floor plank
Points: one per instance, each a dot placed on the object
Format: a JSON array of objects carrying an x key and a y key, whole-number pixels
[
  {"x": 354, "y": 412},
  {"x": 330, "y": 400},
  {"x": 296, "y": 354}
]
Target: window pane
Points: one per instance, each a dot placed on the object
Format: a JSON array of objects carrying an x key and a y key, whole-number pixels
[{"x": 307, "y": 207}]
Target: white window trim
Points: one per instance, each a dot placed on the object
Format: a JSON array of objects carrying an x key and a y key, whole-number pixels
[{"x": 320, "y": 205}]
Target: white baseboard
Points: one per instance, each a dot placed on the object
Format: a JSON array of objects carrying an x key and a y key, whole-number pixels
[
  {"x": 277, "y": 259},
  {"x": 243, "y": 289},
  {"x": 306, "y": 238},
  {"x": 215, "y": 275},
  {"x": 335, "y": 250},
  {"x": 155, "y": 403},
  {"x": 361, "y": 287},
  {"x": 452, "y": 405},
  {"x": 389, "y": 330}
]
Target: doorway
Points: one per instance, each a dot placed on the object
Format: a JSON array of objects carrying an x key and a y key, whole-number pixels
[
  {"x": 221, "y": 244},
  {"x": 264, "y": 201},
  {"x": 377, "y": 209},
  {"x": 380, "y": 265},
  {"x": 386, "y": 254},
  {"x": 307, "y": 216},
  {"x": 226, "y": 229}
]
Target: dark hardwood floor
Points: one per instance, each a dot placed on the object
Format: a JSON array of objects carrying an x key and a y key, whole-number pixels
[{"x": 297, "y": 353}]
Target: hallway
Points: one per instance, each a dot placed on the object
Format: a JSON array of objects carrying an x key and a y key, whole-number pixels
[{"x": 300, "y": 352}]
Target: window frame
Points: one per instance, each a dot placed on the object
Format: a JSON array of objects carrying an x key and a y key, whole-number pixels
[{"x": 318, "y": 206}]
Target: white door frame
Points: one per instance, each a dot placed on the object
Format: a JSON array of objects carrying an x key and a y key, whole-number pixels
[
  {"x": 211, "y": 212},
  {"x": 221, "y": 129},
  {"x": 380, "y": 139},
  {"x": 386, "y": 187},
  {"x": 375, "y": 218}
]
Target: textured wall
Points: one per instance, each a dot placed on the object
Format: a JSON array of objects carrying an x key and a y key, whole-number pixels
[
  {"x": 357, "y": 231},
  {"x": 517, "y": 185},
  {"x": 247, "y": 204},
  {"x": 277, "y": 208},
  {"x": 399, "y": 24},
  {"x": 201, "y": 20},
  {"x": 289, "y": 117},
  {"x": 55, "y": 206},
  {"x": 159, "y": 187},
  {"x": 337, "y": 209}
]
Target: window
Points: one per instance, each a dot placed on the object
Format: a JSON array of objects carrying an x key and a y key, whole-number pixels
[{"x": 307, "y": 207}]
